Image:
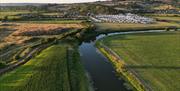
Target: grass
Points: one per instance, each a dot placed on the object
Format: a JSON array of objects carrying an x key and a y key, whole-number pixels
[
  {"x": 171, "y": 19},
  {"x": 49, "y": 71},
  {"x": 168, "y": 18},
  {"x": 53, "y": 13},
  {"x": 154, "y": 56},
  {"x": 119, "y": 66},
  {"x": 112, "y": 27},
  {"x": 163, "y": 15}
]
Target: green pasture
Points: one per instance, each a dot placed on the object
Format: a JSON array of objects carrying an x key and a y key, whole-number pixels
[{"x": 154, "y": 56}]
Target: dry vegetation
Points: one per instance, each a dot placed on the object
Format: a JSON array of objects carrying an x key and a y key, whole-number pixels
[
  {"x": 41, "y": 29},
  {"x": 24, "y": 31}
]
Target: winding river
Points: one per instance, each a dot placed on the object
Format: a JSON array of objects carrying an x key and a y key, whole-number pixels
[{"x": 99, "y": 68}]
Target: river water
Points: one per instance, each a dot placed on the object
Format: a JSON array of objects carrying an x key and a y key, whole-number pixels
[{"x": 99, "y": 68}]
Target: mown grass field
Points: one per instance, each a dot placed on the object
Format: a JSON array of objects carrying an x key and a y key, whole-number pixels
[
  {"x": 112, "y": 27},
  {"x": 154, "y": 56},
  {"x": 51, "y": 70}
]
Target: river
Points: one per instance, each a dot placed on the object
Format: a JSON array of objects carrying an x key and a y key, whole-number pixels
[{"x": 99, "y": 68}]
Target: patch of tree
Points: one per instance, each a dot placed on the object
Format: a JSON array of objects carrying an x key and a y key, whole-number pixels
[{"x": 84, "y": 9}]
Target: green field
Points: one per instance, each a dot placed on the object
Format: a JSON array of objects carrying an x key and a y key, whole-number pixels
[
  {"x": 154, "y": 56},
  {"x": 51, "y": 70},
  {"x": 163, "y": 15},
  {"x": 168, "y": 18},
  {"x": 11, "y": 14},
  {"x": 112, "y": 27}
]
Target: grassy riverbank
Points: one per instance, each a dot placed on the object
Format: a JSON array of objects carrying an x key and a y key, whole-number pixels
[
  {"x": 153, "y": 56},
  {"x": 52, "y": 70}
]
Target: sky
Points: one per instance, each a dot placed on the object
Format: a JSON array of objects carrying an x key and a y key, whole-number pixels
[{"x": 46, "y": 1}]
